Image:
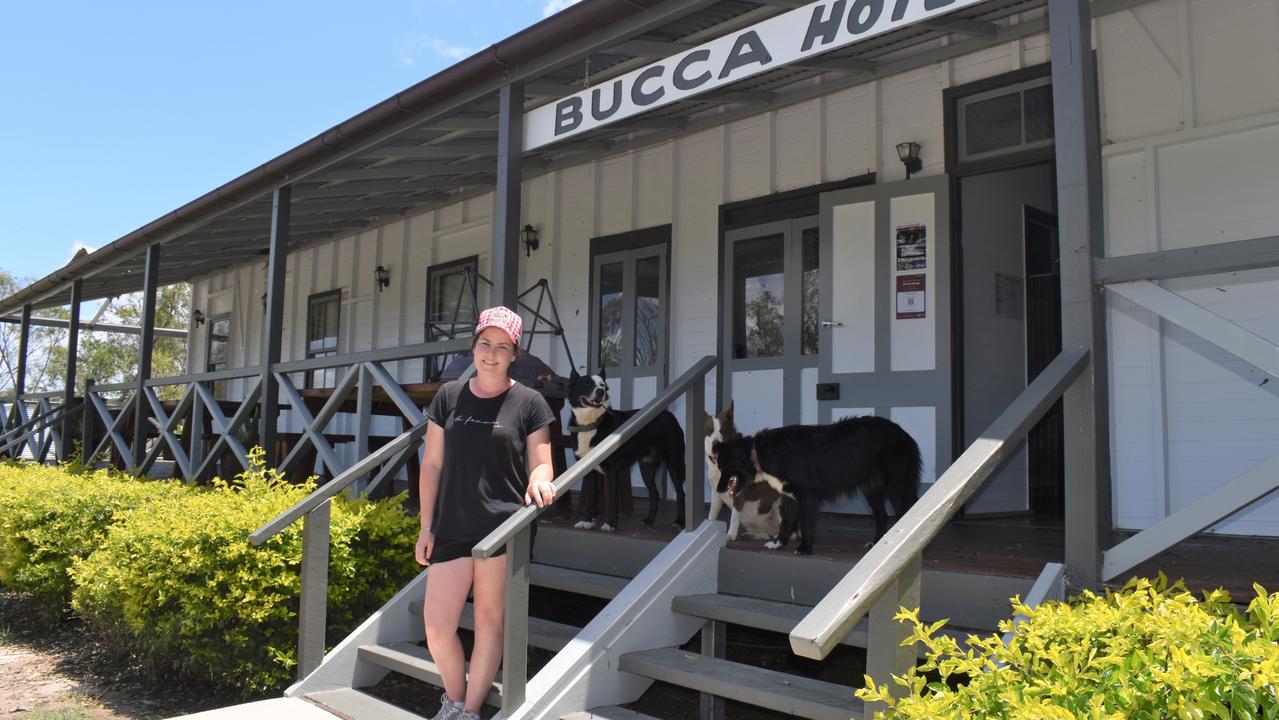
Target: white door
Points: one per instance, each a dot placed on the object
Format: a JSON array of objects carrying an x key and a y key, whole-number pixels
[{"x": 885, "y": 321}]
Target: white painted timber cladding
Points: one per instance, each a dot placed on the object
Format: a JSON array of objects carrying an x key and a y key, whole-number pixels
[{"x": 1190, "y": 103}]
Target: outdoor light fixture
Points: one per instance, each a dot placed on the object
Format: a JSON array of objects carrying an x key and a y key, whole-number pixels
[
  {"x": 529, "y": 237},
  {"x": 197, "y": 317},
  {"x": 909, "y": 154},
  {"x": 382, "y": 276}
]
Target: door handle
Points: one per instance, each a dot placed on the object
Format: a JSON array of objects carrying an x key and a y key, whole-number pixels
[{"x": 832, "y": 324}]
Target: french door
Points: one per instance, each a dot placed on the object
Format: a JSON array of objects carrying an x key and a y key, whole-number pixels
[
  {"x": 771, "y": 342},
  {"x": 629, "y": 323}
]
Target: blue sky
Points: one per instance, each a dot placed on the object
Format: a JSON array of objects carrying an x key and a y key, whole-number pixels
[{"x": 114, "y": 113}]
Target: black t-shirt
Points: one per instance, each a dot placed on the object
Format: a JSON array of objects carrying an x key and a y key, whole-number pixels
[{"x": 485, "y": 473}]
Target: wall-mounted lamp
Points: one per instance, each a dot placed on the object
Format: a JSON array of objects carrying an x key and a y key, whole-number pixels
[
  {"x": 382, "y": 276},
  {"x": 529, "y": 237},
  {"x": 909, "y": 154},
  {"x": 197, "y": 317}
]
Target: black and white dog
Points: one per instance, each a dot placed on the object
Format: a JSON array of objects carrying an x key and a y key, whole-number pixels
[
  {"x": 812, "y": 464},
  {"x": 661, "y": 442}
]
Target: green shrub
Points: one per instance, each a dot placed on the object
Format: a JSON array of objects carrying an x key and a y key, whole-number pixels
[
  {"x": 179, "y": 579},
  {"x": 1148, "y": 651},
  {"x": 49, "y": 519}
]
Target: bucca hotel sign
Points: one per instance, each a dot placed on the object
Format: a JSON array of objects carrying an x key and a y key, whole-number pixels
[{"x": 800, "y": 33}]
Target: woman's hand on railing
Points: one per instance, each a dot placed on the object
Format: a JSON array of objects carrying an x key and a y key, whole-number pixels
[
  {"x": 422, "y": 550},
  {"x": 541, "y": 492}
]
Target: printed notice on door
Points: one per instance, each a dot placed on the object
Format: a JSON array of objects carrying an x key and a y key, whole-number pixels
[
  {"x": 912, "y": 247},
  {"x": 910, "y": 296}
]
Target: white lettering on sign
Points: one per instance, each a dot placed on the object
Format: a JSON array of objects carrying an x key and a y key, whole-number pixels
[{"x": 800, "y": 33}]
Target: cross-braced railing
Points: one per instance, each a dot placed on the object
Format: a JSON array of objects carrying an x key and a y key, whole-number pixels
[
  {"x": 198, "y": 430},
  {"x": 31, "y": 427}
]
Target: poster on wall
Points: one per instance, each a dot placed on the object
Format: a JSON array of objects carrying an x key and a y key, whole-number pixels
[
  {"x": 910, "y": 296},
  {"x": 912, "y": 247}
]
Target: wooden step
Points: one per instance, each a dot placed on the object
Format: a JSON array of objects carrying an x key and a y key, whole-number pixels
[
  {"x": 414, "y": 661},
  {"x": 612, "y": 712},
  {"x": 576, "y": 581},
  {"x": 781, "y": 692},
  {"x": 767, "y": 615},
  {"x": 355, "y": 705},
  {"x": 775, "y": 616},
  {"x": 542, "y": 634}
]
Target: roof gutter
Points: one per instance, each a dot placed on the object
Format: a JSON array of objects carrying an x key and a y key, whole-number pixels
[{"x": 494, "y": 62}]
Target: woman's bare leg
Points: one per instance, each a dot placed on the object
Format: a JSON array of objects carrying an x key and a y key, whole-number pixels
[
  {"x": 489, "y": 600},
  {"x": 447, "y": 585}
]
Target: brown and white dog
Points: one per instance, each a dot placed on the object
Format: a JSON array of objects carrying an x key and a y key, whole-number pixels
[{"x": 757, "y": 508}]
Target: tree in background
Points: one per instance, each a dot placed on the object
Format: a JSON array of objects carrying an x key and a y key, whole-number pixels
[{"x": 104, "y": 357}]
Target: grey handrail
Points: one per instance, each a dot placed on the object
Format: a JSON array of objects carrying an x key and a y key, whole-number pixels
[
  {"x": 524, "y": 517},
  {"x": 854, "y": 595},
  {"x": 337, "y": 484}
]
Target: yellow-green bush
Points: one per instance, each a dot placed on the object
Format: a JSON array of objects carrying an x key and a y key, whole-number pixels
[
  {"x": 49, "y": 518},
  {"x": 1148, "y": 651},
  {"x": 179, "y": 579}
]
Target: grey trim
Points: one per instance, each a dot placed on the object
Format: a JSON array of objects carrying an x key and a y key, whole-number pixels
[
  {"x": 884, "y": 388},
  {"x": 73, "y": 349},
  {"x": 506, "y": 201},
  {"x": 273, "y": 327},
  {"x": 150, "y": 286},
  {"x": 1186, "y": 262},
  {"x": 1083, "y": 311}
]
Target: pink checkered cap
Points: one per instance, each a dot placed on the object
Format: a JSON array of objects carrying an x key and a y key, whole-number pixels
[{"x": 504, "y": 318}]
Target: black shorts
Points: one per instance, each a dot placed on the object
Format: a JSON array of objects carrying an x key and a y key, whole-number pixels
[{"x": 446, "y": 549}]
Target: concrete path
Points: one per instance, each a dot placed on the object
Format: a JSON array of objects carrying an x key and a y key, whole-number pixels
[{"x": 276, "y": 709}]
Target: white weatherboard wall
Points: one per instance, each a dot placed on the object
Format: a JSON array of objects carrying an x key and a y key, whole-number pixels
[
  {"x": 1190, "y": 102},
  {"x": 1190, "y": 92}
]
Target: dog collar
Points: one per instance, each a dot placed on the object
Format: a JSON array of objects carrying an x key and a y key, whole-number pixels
[{"x": 583, "y": 428}]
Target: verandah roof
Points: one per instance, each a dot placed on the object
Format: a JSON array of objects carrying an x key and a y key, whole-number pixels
[{"x": 436, "y": 143}]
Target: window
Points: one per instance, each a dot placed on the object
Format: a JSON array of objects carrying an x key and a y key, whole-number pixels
[
  {"x": 759, "y": 293},
  {"x": 322, "y": 314},
  {"x": 452, "y": 300},
  {"x": 1005, "y": 120},
  {"x": 218, "y": 350}
]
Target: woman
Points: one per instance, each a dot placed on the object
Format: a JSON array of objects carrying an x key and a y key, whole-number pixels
[{"x": 488, "y": 450}]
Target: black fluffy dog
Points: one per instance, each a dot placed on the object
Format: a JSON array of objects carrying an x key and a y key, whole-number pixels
[
  {"x": 812, "y": 464},
  {"x": 661, "y": 442}
]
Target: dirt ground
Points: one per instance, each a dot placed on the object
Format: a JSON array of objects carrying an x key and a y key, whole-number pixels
[{"x": 57, "y": 673}]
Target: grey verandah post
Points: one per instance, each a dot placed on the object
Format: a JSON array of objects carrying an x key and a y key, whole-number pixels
[
  {"x": 506, "y": 225},
  {"x": 150, "y": 286},
  {"x": 20, "y": 378},
  {"x": 272, "y": 327},
  {"x": 1079, "y": 203},
  {"x": 68, "y": 388},
  {"x": 87, "y": 419}
]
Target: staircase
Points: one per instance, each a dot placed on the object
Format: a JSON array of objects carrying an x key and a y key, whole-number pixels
[{"x": 764, "y": 592}]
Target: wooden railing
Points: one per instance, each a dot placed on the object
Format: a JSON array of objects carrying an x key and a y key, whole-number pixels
[
  {"x": 890, "y": 570},
  {"x": 314, "y": 511},
  {"x": 35, "y": 421},
  {"x": 515, "y": 534},
  {"x": 198, "y": 413}
]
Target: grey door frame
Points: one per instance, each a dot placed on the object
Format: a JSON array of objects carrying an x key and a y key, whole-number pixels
[
  {"x": 792, "y": 362},
  {"x": 883, "y": 388},
  {"x": 627, "y": 372}
]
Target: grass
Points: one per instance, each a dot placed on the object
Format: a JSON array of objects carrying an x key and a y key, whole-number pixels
[{"x": 59, "y": 714}]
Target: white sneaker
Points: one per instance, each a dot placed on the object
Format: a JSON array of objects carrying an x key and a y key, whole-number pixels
[{"x": 449, "y": 710}]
